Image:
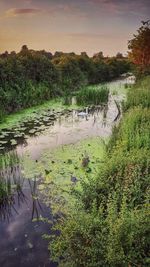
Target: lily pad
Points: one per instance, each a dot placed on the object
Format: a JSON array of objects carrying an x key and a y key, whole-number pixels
[
  {"x": 3, "y": 142},
  {"x": 4, "y": 134},
  {"x": 13, "y": 142},
  {"x": 32, "y": 131},
  {"x": 18, "y": 135}
]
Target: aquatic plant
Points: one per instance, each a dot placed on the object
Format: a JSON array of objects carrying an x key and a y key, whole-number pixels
[
  {"x": 95, "y": 95},
  {"x": 109, "y": 223},
  {"x": 10, "y": 182}
]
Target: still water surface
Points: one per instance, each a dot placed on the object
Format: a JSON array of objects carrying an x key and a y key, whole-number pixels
[{"x": 21, "y": 241}]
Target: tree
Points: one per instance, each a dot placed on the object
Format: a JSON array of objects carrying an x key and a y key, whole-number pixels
[
  {"x": 98, "y": 56},
  {"x": 140, "y": 47},
  {"x": 119, "y": 55},
  {"x": 84, "y": 54}
]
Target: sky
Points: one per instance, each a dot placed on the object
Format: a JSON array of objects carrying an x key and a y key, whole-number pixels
[{"x": 71, "y": 25}]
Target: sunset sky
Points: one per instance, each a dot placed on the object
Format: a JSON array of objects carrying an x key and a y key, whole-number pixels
[{"x": 70, "y": 25}]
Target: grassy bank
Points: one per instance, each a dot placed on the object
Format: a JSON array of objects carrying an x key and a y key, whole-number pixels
[{"x": 109, "y": 225}]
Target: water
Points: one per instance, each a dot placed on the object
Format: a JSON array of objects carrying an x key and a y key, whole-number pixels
[{"x": 21, "y": 212}]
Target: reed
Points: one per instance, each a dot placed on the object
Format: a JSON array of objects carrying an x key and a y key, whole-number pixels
[
  {"x": 139, "y": 95},
  {"x": 95, "y": 95}
]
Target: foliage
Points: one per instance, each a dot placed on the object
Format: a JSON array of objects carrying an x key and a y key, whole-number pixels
[
  {"x": 31, "y": 77},
  {"x": 140, "y": 48},
  {"x": 25, "y": 81},
  {"x": 93, "y": 95},
  {"x": 109, "y": 226}
]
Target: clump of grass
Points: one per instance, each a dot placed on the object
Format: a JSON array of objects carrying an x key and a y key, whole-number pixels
[
  {"x": 9, "y": 183},
  {"x": 134, "y": 130},
  {"x": 66, "y": 100},
  {"x": 95, "y": 95},
  {"x": 114, "y": 92},
  {"x": 8, "y": 160},
  {"x": 139, "y": 95}
]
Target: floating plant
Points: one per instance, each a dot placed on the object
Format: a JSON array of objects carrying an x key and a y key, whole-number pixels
[{"x": 13, "y": 142}]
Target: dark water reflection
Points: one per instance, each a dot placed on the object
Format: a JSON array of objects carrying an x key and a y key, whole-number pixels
[{"x": 21, "y": 227}]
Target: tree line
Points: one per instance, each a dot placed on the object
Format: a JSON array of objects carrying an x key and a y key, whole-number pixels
[{"x": 31, "y": 77}]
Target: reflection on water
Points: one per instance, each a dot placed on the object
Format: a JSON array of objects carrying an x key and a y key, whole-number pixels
[
  {"x": 21, "y": 210},
  {"x": 71, "y": 128},
  {"x": 20, "y": 201},
  {"x": 21, "y": 238}
]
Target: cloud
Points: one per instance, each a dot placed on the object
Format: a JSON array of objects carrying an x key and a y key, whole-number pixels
[
  {"x": 122, "y": 7},
  {"x": 14, "y": 12},
  {"x": 53, "y": 10}
]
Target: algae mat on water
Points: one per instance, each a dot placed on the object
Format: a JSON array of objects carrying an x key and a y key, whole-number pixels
[{"x": 65, "y": 169}]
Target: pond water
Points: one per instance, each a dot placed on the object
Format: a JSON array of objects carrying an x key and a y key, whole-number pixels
[{"x": 22, "y": 210}]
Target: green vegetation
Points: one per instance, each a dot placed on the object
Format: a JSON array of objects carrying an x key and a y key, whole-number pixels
[
  {"x": 139, "y": 95},
  {"x": 13, "y": 119},
  {"x": 140, "y": 49},
  {"x": 6, "y": 188},
  {"x": 100, "y": 197},
  {"x": 110, "y": 224},
  {"x": 65, "y": 163},
  {"x": 95, "y": 95},
  {"x": 30, "y": 77}
]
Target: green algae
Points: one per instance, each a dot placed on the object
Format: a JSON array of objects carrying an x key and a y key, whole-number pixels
[
  {"x": 60, "y": 165},
  {"x": 28, "y": 114}
]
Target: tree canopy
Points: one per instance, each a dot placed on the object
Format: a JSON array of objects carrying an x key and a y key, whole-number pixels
[
  {"x": 30, "y": 77},
  {"x": 139, "y": 47}
]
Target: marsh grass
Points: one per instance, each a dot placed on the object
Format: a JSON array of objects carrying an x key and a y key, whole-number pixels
[
  {"x": 133, "y": 132},
  {"x": 8, "y": 160},
  {"x": 95, "y": 95},
  {"x": 111, "y": 224},
  {"x": 10, "y": 184},
  {"x": 139, "y": 95}
]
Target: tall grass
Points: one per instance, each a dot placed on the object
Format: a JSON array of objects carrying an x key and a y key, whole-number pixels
[
  {"x": 10, "y": 183},
  {"x": 8, "y": 160},
  {"x": 133, "y": 132},
  {"x": 95, "y": 95},
  {"x": 139, "y": 95},
  {"x": 110, "y": 227}
]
